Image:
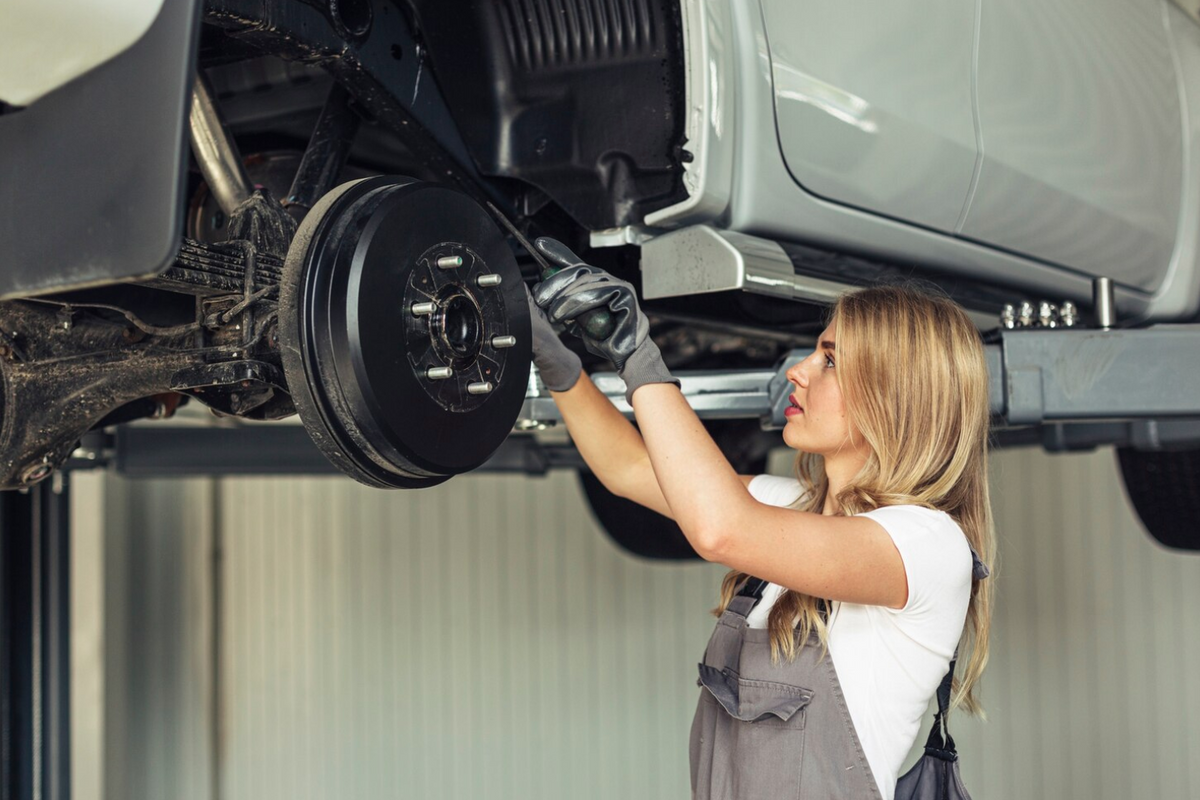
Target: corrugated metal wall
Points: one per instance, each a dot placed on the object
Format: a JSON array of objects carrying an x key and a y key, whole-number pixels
[{"x": 485, "y": 640}]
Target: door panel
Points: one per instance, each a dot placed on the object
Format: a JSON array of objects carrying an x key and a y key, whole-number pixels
[
  {"x": 1081, "y": 131},
  {"x": 873, "y": 102}
]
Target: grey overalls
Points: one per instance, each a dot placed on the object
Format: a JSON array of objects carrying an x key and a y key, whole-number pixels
[{"x": 764, "y": 732}]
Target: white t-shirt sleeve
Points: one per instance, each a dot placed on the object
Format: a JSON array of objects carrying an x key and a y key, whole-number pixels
[
  {"x": 774, "y": 490},
  {"x": 937, "y": 565}
]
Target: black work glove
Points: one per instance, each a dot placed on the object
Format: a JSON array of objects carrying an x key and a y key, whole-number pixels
[
  {"x": 578, "y": 288},
  {"x": 555, "y": 362}
]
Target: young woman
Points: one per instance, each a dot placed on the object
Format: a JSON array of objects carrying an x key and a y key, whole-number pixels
[{"x": 858, "y": 579}]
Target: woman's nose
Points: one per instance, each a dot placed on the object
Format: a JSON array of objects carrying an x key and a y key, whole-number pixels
[{"x": 798, "y": 375}]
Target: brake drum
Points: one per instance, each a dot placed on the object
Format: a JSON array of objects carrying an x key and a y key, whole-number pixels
[{"x": 404, "y": 331}]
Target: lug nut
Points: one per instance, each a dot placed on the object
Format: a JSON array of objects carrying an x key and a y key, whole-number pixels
[
  {"x": 423, "y": 309},
  {"x": 1025, "y": 315},
  {"x": 438, "y": 373},
  {"x": 482, "y": 387},
  {"x": 1047, "y": 315},
  {"x": 491, "y": 279},
  {"x": 500, "y": 342},
  {"x": 449, "y": 262}
]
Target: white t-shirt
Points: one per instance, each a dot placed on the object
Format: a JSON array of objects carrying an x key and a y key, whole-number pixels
[{"x": 890, "y": 661}]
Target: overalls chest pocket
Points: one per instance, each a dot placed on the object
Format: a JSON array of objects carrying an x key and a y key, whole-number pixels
[{"x": 763, "y": 703}]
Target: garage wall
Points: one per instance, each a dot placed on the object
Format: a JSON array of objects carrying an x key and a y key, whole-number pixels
[{"x": 485, "y": 639}]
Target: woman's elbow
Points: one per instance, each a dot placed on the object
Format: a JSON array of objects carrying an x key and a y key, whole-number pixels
[{"x": 704, "y": 537}]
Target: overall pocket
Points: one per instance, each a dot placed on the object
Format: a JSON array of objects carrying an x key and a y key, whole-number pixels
[
  {"x": 752, "y": 700},
  {"x": 757, "y": 741}
]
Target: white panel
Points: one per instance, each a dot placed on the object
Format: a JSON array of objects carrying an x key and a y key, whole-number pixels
[
  {"x": 1082, "y": 136},
  {"x": 1092, "y": 691},
  {"x": 873, "y": 102},
  {"x": 480, "y": 639},
  {"x": 158, "y": 675},
  {"x": 87, "y": 635}
]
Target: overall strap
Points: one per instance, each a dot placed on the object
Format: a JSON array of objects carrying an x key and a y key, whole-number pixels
[
  {"x": 940, "y": 743},
  {"x": 752, "y": 587}
]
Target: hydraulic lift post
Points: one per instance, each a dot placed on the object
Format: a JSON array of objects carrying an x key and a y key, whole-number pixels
[{"x": 35, "y": 753}]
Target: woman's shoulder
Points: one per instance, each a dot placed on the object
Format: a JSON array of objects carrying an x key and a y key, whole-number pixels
[
  {"x": 922, "y": 522},
  {"x": 929, "y": 541}
]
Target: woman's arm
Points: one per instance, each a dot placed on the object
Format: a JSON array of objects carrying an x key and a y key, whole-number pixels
[
  {"x": 610, "y": 444},
  {"x": 839, "y": 558}
]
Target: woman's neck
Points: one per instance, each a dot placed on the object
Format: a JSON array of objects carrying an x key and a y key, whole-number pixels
[{"x": 838, "y": 472}]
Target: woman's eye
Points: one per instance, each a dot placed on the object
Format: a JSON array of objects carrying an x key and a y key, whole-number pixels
[{"x": 829, "y": 362}]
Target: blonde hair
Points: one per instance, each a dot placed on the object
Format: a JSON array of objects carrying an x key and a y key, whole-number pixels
[{"x": 915, "y": 385}]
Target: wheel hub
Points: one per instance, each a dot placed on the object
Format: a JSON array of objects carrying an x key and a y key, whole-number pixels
[{"x": 405, "y": 331}]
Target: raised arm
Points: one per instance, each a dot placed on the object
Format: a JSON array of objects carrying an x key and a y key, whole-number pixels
[{"x": 608, "y": 442}]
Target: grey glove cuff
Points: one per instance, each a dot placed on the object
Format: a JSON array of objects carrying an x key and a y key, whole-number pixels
[
  {"x": 558, "y": 366},
  {"x": 644, "y": 365},
  {"x": 560, "y": 375}
]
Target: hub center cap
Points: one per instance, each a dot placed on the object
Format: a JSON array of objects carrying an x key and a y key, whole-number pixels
[{"x": 456, "y": 327}]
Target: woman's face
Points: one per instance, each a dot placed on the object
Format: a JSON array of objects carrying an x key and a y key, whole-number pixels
[{"x": 820, "y": 425}]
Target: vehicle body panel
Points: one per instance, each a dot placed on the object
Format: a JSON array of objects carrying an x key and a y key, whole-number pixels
[
  {"x": 1082, "y": 136},
  {"x": 46, "y": 45},
  {"x": 874, "y": 105},
  {"x": 92, "y": 177},
  {"x": 766, "y": 201}
]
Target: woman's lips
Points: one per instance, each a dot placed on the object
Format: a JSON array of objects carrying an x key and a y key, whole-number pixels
[{"x": 793, "y": 408}]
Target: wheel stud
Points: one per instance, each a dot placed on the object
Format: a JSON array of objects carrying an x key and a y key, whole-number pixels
[
  {"x": 500, "y": 342},
  {"x": 438, "y": 373},
  {"x": 423, "y": 309},
  {"x": 481, "y": 387},
  {"x": 491, "y": 279},
  {"x": 449, "y": 262}
]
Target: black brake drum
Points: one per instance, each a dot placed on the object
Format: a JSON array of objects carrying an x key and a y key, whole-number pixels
[{"x": 404, "y": 330}]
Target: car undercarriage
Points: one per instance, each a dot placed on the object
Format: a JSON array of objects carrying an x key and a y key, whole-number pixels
[{"x": 332, "y": 243}]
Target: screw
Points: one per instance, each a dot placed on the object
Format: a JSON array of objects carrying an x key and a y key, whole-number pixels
[
  {"x": 500, "y": 342},
  {"x": 491, "y": 279},
  {"x": 423, "y": 309},
  {"x": 449, "y": 262},
  {"x": 438, "y": 373},
  {"x": 480, "y": 387},
  {"x": 1008, "y": 317},
  {"x": 1068, "y": 314}
]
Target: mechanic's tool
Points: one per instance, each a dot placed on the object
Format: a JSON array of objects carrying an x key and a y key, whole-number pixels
[
  {"x": 403, "y": 371},
  {"x": 598, "y": 324}
]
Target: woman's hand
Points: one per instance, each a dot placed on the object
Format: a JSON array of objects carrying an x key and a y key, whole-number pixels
[
  {"x": 578, "y": 288},
  {"x": 557, "y": 365}
]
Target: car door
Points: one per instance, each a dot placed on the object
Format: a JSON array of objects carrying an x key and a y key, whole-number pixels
[
  {"x": 873, "y": 103},
  {"x": 1082, "y": 136}
]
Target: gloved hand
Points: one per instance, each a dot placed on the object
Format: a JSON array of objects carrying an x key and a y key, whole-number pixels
[
  {"x": 557, "y": 365},
  {"x": 580, "y": 287}
]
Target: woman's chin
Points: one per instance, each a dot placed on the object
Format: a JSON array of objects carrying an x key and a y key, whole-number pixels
[{"x": 791, "y": 438}]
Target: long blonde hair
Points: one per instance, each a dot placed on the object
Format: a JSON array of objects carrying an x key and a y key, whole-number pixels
[{"x": 915, "y": 385}]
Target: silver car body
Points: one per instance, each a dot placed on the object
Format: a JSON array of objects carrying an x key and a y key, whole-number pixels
[{"x": 1032, "y": 145}]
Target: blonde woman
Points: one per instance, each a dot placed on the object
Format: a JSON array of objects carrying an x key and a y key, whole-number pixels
[{"x": 850, "y": 587}]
